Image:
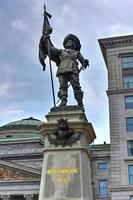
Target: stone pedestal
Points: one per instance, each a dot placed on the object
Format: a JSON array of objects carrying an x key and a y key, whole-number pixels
[{"x": 66, "y": 172}]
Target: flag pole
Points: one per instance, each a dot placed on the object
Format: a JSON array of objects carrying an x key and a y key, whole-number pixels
[
  {"x": 50, "y": 65},
  {"x": 51, "y": 75}
]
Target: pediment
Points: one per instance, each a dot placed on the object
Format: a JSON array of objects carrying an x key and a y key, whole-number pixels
[{"x": 13, "y": 171}]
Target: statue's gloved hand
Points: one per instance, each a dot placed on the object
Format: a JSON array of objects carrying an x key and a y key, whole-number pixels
[
  {"x": 44, "y": 66},
  {"x": 86, "y": 63},
  {"x": 46, "y": 38}
]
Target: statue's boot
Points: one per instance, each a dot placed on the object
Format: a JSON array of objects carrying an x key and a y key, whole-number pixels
[
  {"x": 79, "y": 98},
  {"x": 80, "y": 104},
  {"x": 63, "y": 100}
]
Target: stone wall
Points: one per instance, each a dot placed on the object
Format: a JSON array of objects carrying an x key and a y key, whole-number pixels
[
  {"x": 100, "y": 156},
  {"x": 19, "y": 148},
  {"x": 118, "y": 136}
]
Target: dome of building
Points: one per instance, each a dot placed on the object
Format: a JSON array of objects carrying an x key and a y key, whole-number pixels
[
  {"x": 27, "y": 123},
  {"x": 24, "y": 130}
]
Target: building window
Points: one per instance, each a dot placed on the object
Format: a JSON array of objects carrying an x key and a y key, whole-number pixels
[
  {"x": 127, "y": 81},
  {"x": 129, "y": 102},
  {"x": 130, "y": 171},
  {"x": 129, "y": 124},
  {"x": 130, "y": 147},
  {"x": 102, "y": 166},
  {"x": 131, "y": 197},
  {"x": 103, "y": 187},
  {"x": 127, "y": 62}
]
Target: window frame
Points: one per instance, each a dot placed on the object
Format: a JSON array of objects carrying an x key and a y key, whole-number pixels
[
  {"x": 128, "y": 124},
  {"x": 129, "y": 149},
  {"x": 103, "y": 194},
  {"x": 130, "y": 175},
  {"x": 131, "y": 197},
  {"x": 130, "y": 104},
  {"x": 127, "y": 84},
  {"x": 128, "y": 62},
  {"x": 104, "y": 164}
]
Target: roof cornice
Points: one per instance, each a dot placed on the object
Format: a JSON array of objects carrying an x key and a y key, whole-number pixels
[{"x": 114, "y": 42}]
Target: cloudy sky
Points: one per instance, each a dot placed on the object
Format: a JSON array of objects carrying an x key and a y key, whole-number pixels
[{"x": 25, "y": 90}]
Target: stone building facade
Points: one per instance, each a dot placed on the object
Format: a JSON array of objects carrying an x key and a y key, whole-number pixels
[
  {"x": 22, "y": 145},
  {"x": 21, "y": 155},
  {"x": 118, "y": 56}
]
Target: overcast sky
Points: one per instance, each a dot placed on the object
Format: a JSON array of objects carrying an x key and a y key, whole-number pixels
[{"x": 25, "y": 90}]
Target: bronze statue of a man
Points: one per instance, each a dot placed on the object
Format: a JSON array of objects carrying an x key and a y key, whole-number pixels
[{"x": 67, "y": 63}]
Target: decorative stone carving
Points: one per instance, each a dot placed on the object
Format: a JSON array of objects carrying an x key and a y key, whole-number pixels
[
  {"x": 117, "y": 43},
  {"x": 63, "y": 135},
  {"x": 12, "y": 175}
]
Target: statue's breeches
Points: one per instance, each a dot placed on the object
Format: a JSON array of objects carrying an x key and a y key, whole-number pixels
[{"x": 73, "y": 78}]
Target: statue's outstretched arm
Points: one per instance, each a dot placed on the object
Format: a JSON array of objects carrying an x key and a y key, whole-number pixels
[
  {"x": 52, "y": 52},
  {"x": 46, "y": 48}
]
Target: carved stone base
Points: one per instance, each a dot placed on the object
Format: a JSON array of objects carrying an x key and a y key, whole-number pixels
[
  {"x": 66, "y": 172},
  {"x": 66, "y": 175},
  {"x": 76, "y": 120}
]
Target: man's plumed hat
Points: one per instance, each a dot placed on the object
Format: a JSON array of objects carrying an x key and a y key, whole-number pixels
[{"x": 75, "y": 39}]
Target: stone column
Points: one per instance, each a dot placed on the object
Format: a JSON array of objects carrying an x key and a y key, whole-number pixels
[
  {"x": 5, "y": 197},
  {"x": 66, "y": 172}
]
